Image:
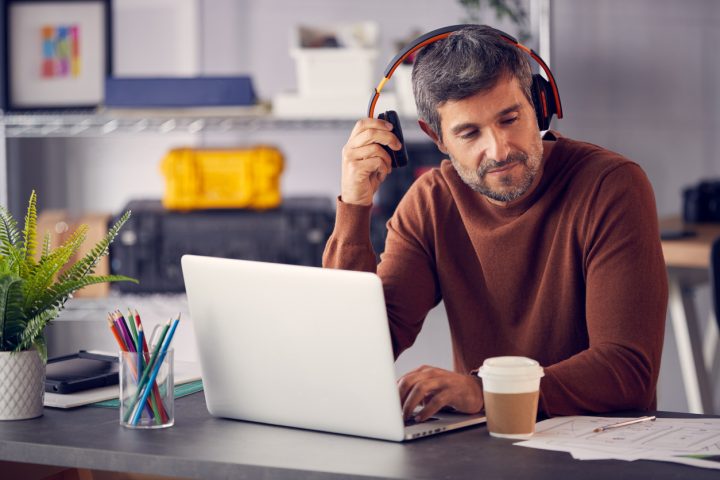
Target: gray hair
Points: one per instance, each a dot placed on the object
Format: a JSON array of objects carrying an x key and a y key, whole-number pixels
[{"x": 469, "y": 61}]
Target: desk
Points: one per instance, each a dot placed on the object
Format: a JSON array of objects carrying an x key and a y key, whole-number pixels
[
  {"x": 199, "y": 446},
  {"x": 688, "y": 261}
]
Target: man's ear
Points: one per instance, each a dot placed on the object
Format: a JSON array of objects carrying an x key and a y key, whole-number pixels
[{"x": 433, "y": 136}]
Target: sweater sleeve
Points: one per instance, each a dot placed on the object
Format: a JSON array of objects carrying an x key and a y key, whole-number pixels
[
  {"x": 406, "y": 268},
  {"x": 626, "y": 303},
  {"x": 349, "y": 246}
]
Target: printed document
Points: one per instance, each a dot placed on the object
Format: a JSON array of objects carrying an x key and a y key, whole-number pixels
[{"x": 690, "y": 441}]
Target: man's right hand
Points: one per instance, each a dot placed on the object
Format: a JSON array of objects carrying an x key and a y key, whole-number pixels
[{"x": 364, "y": 162}]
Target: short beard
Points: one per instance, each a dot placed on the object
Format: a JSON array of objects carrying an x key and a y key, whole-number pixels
[{"x": 475, "y": 179}]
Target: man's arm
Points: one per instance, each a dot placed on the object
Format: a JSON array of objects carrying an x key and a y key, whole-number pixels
[
  {"x": 626, "y": 303},
  {"x": 411, "y": 289},
  {"x": 407, "y": 266},
  {"x": 349, "y": 246},
  {"x": 365, "y": 165}
]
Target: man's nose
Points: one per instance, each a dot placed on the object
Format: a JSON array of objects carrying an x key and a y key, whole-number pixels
[{"x": 498, "y": 146}]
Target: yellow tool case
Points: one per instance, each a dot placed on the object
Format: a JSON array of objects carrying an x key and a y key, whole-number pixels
[{"x": 222, "y": 178}]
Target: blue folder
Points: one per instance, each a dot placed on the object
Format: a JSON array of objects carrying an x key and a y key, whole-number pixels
[{"x": 179, "y": 91}]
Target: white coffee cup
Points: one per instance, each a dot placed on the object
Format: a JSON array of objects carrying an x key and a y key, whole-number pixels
[{"x": 511, "y": 388}]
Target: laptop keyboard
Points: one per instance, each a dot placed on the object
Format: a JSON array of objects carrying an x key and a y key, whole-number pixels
[{"x": 411, "y": 421}]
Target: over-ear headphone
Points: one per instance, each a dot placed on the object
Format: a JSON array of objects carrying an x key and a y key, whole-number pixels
[{"x": 545, "y": 96}]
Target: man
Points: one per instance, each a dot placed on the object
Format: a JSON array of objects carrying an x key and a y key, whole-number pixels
[{"x": 541, "y": 247}]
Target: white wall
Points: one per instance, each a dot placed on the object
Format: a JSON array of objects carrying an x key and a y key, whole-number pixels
[{"x": 641, "y": 77}]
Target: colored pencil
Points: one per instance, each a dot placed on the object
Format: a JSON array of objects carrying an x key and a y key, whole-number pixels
[
  {"x": 139, "y": 324},
  {"x": 124, "y": 348},
  {"x": 132, "y": 325},
  {"x": 138, "y": 348},
  {"x": 116, "y": 334},
  {"x": 157, "y": 411},
  {"x": 156, "y": 369},
  {"x": 123, "y": 322},
  {"x": 156, "y": 398},
  {"x": 146, "y": 373},
  {"x": 122, "y": 328}
]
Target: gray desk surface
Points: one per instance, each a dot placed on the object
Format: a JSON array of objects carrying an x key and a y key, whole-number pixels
[{"x": 199, "y": 446}]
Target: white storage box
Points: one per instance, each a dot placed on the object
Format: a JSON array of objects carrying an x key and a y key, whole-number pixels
[
  {"x": 337, "y": 60},
  {"x": 335, "y": 72}
]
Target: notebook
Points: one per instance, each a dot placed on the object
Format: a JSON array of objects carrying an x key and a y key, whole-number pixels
[{"x": 298, "y": 346}]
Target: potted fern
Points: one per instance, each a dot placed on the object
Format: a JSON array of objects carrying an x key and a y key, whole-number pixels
[{"x": 32, "y": 293}]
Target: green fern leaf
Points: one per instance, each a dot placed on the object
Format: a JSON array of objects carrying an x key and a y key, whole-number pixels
[
  {"x": 9, "y": 233},
  {"x": 41, "y": 347},
  {"x": 86, "y": 265},
  {"x": 56, "y": 295},
  {"x": 12, "y": 318},
  {"x": 44, "y": 275},
  {"x": 9, "y": 241},
  {"x": 45, "y": 272},
  {"x": 29, "y": 235},
  {"x": 34, "y": 329},
  {"x": 46, "y": 245}
]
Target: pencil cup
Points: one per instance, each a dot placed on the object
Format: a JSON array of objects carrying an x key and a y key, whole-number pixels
[
  {"x": 146, "y": 390},
  {"x": 511, "y": 388}
]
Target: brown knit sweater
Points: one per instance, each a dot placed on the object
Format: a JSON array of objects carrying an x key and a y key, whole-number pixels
[{"x": 572, "y": 275}]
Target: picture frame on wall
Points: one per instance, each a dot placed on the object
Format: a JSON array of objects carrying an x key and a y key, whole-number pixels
[{"x": 56, "y": 54}]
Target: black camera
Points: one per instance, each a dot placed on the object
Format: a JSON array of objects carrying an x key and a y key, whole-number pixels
[{"x": 701, "y": 203}]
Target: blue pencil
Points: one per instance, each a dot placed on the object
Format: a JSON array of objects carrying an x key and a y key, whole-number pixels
[
  {"x": 147, "y": 387},
  {"x": 146, "y": 372},
  {"x": 139, "y": 350}
]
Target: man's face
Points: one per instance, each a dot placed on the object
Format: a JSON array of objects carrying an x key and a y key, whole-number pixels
[{"x": 493, "y": 141}]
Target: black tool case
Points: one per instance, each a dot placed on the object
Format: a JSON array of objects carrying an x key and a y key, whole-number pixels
[{"x": 151, "y": 243}]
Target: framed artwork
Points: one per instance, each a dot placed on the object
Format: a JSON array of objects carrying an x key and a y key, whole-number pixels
[{"x": 55, "y": 53}]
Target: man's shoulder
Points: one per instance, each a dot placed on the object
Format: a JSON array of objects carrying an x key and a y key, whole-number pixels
[
  {"x": 589, "y": 160},
  {"x": 586, "y": 150},
  {"x": 591, "y": 170}
]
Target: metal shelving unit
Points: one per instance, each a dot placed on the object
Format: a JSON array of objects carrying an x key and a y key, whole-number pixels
[
  {"x": 133, "y": 122},
  {"x": 69, "y": 124}
]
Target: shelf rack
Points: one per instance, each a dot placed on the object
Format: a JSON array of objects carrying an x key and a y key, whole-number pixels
[{"x": 134, "y": 122}]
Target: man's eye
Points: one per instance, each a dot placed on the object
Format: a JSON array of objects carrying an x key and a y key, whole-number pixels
[
  {"x": 469, "y": 134},
  {"x": 509, "y": 121}
]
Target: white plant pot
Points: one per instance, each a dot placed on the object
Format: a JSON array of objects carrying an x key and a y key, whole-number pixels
[{"x": 22, "y": 385}]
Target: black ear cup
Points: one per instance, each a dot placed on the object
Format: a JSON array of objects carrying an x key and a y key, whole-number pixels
[
  {"x": 399, "y": 158},
  {"x": 543, "y": 101}
]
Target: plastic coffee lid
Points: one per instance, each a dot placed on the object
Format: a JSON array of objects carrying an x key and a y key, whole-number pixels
[{"x": 511, "y": 367}]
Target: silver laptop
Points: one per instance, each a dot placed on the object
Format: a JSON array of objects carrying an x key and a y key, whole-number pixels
[{"x": 299, "y": 346}]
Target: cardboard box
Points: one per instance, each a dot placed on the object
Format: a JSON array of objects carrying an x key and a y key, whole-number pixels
[{"x": 61, "y": 225}]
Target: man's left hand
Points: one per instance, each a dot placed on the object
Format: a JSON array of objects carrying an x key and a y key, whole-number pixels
[{"x": 435, "y": 388}]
